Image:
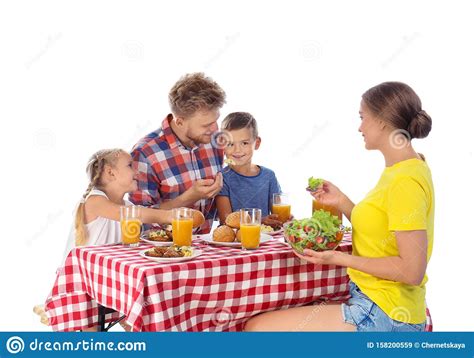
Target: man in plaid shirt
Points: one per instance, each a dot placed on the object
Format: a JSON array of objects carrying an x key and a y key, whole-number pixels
[{"x": 177, "y": 165}]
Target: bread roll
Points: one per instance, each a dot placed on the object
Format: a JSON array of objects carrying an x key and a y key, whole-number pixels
[
  {"x": 237, "y": 236},
  {"x": 233, "y": 220},
  {"x": 223, "y": 233},
  {"x": 198, "y": 218}
]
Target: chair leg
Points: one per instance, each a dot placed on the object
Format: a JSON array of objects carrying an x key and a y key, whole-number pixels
[{"x": 101, "y": 314}]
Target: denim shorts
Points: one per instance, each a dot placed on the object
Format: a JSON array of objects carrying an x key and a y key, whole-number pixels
[{"x": 363, "y": 313}]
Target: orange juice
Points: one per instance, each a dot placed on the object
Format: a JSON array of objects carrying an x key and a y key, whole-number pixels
[
  {"x": 331, "y": 209},
  {"x": 130, "y": 231},
  {"x": 182, "y": 232},
  {"x": 250, "y": 236},
  {"x": 283, "y": 211}
]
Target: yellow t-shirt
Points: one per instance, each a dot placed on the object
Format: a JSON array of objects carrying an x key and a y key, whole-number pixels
[{"x": 402, "y": 200}]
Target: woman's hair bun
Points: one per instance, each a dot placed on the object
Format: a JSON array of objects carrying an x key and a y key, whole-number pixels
[{"x": 420, "y": 126}]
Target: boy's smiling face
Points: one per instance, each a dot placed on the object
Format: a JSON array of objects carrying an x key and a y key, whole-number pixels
[{"x": 242, "y": 145}]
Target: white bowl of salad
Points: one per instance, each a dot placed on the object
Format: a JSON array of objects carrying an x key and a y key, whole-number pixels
[{"x": 320, "y": 232}]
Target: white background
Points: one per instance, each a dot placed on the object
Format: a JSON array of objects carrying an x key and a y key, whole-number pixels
[{"x": 78, "y": 77}]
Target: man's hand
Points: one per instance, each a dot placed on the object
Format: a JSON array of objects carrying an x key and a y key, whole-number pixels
[{"x": 205, "y": 188}]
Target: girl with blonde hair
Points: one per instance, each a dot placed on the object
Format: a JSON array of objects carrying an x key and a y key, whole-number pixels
[{"x": 97, "y": 219}]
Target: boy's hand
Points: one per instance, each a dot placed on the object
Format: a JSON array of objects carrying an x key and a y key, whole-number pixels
[
  {"x": 205, "y": 188},
  {"x": 272, "y": 220}
]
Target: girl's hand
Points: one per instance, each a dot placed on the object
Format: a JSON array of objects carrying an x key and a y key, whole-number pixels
[
  {"x": 329, "y": 257},
  {"x": 328, "y": 194}
]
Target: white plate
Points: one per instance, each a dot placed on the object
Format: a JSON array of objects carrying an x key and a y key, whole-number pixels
[
  {"x": 157, "y": 243},
  {"x": 144, "y": 238},
  {"x": 208, "y": 239},
  {"x": 195, "y": 254},
  {"x": 274, "y": 233}
]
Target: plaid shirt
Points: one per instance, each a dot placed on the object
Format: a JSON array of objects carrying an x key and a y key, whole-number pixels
[{"x": 166, "y": 169}]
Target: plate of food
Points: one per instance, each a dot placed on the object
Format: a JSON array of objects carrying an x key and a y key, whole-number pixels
[
  {"x": 171, "y": 253},
  {"x": 323, "y": 231},
  {"x": 157, "y": 237},
  {"x": 226, "y": 236},
  {"x": 272, "y": 231}
]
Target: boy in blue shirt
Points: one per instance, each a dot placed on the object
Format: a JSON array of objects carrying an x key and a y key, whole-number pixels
[{"x": 246, "y": 185}]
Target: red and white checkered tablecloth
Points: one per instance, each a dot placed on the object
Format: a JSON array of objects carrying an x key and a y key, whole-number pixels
[{"x": 217, "y": 291}]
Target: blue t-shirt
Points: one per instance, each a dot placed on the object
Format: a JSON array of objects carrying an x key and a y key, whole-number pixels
[{"x": 250, "y": 191}]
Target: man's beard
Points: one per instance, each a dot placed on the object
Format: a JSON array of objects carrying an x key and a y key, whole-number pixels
[{"x": 202, "y": 139}]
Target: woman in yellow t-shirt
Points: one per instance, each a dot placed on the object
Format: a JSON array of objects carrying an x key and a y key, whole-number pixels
[{"x": 392, "y": 229}]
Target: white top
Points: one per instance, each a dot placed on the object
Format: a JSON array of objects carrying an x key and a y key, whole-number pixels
[{"x": 101, "y": 231}]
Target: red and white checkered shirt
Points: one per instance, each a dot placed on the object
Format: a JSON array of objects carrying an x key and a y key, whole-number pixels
[{"x": 166, "y": 169}]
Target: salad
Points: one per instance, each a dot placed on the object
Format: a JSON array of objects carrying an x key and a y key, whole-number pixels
[
  {"x": 322, "y": 231},
  {"x": 314, "y": 184}
]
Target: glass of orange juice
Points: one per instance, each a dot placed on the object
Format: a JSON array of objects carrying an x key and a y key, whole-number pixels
[
  {"x": 317, "y": 206},
  {"x": 250, "y": 221},
  {"x": 130, "y": 224},
  {"x": 281, "y": 206},
  {"x": 182, "y": 226}
]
